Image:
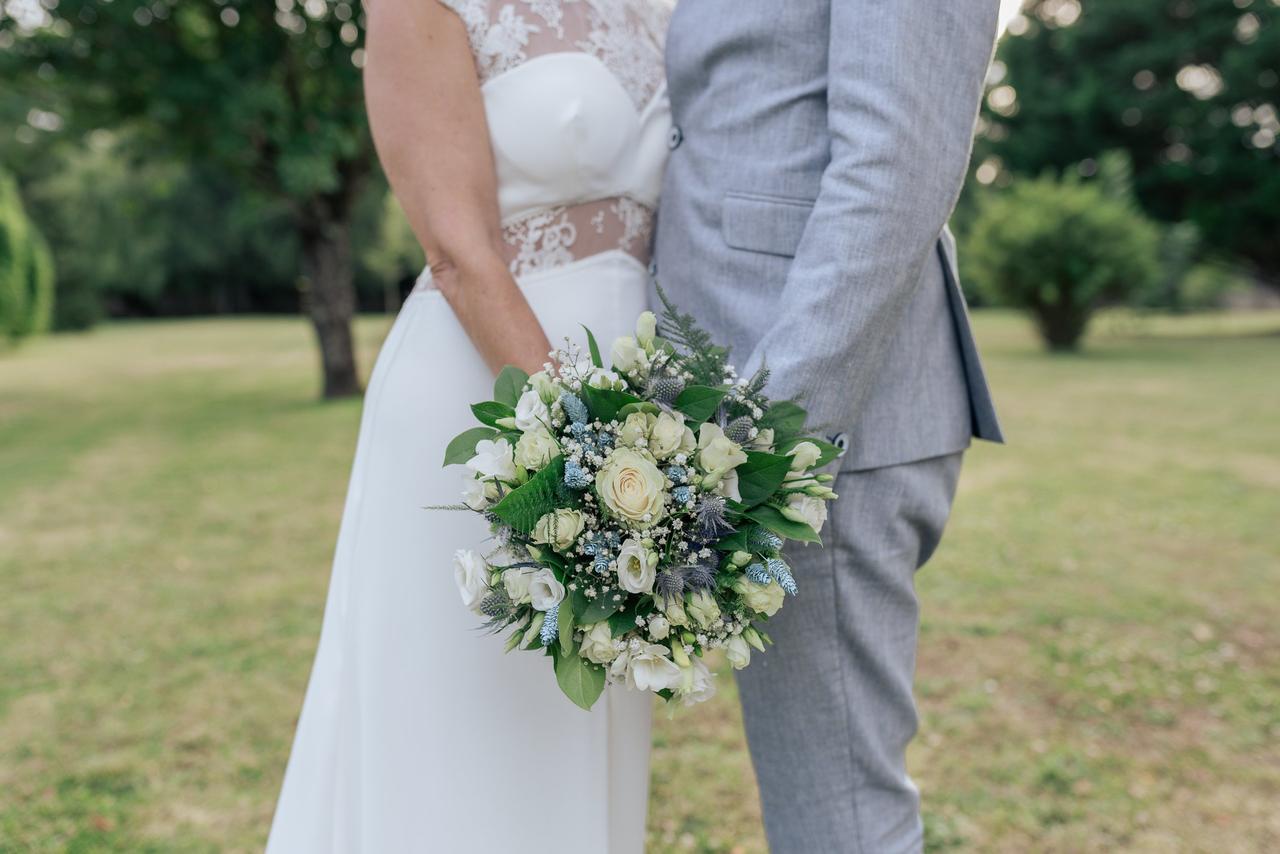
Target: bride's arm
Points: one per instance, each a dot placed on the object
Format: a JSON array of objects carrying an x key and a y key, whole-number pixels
[{"x": 428, "y": 123}]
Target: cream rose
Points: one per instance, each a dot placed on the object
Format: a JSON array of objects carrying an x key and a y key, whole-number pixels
[
  {"x": 625, "y": 354},
  {"x": 675, "y": 612},
  {"x": 597, "y": 644},
  {"x": 471, "y": 574},
  {"x": 659, "y": 628},
  {"x": 635, "y": 430},
  {"x": 531, "y": 411},
  {"x": 637, "y": 567},
  {"x": 804, "y": 455},
  {"x": 632, "y": 487},
  {"x": 535, "y": 448},
  {"x": 646, "y": 329},
  {"x": 666, "y": 435},
  {"x": 547, "y": 387},
  {"x": 494, "y": 458},
  {"x": 716, "y": 452},
  {"x": 516, "y": 582},
  {"x": 807, "y": 510},
  {"x": 765, "y": 598},
  {"x": 545, "y": 591},
  {"x": 559, "y": 529},
  {"x": 738, "y": 652},
  {"x": 702, "y": 607}
]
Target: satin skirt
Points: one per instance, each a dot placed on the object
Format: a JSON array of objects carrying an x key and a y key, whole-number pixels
[{"x": 417, "y": 733}]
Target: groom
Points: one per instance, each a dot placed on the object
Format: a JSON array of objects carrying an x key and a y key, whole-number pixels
[{"x": 817, "y": 153}]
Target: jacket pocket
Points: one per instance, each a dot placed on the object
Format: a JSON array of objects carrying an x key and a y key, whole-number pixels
[{"x": 761, "y": 223}]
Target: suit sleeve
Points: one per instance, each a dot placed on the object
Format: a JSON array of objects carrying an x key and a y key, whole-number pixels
[{"x": 905, "y": 78}]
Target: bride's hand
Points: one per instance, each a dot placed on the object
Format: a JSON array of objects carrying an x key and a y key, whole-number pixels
[{"x": 427, "y": 117}]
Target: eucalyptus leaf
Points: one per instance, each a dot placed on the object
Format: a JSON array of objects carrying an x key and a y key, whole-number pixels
[
  {"x": 463, "y": 446},
  {"x": 580, "y": 680},
  {"x": 509, "y": 385},
  {"x": 699, "y": 402}
]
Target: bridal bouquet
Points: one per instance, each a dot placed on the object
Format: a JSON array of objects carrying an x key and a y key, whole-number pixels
[{"x": 639, "y": 510}]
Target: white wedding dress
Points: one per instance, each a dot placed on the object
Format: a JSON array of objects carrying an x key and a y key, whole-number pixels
[{"x": 417, "y": 733}]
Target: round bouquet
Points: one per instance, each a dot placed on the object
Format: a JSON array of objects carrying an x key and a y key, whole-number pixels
[{"x": 639, "y": 511}]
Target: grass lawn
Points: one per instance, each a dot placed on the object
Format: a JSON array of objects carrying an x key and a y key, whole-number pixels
[{"x": 1099, "y": 663}]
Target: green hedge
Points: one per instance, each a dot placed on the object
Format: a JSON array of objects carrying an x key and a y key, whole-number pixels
[{"x": 26, "y": 269}]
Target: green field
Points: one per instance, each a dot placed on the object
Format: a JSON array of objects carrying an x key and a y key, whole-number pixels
[{"x": 1099, "y": 664}]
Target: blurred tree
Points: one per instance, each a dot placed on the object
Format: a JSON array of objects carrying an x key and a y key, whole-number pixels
[
  {"x": 1060, "y": 249},
  {"x": 26, "y": 269},
  {"x": 1189, "y": 88},
  {"x": 270, "y": 93}
]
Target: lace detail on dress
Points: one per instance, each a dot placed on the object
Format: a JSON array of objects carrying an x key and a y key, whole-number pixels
[
  {"x": 546, "y": 239},
  {"x": 626, "y": 35}
]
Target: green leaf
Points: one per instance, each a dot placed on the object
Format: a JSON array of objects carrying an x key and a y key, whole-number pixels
[
  {"x": 761, "y": 476},
  {"x": 599, "y": 608},
  {"x": 564, "y": 626},
  {"x": 605, "y": 403},
  {"x": 491, "y": 412},
  {"x": 786, "y": 418},
  {"x": 594, "y": 348},
  {"x": 523, "y": 506},
  {"x": 738, "y": 541},
  {"x": 509, "y": 385},
  {"x": 463, "y": 446},
  {"x": 622, "y": 622},
  {"x": 642, "y": 406},
  {"x": 772, "y": 518},
  {"x": 829, "y": 451},
  {"x": 580, "y": 680},
  {"x": 699, "y": 402}
]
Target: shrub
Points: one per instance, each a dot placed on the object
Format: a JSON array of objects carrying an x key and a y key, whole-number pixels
[
  {"x": 26, "y": 269},
  {"x": 1061, "y": 249}
]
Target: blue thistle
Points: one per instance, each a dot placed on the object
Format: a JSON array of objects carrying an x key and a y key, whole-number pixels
[
  {"x": 739, "y": 429},
  {"x": 550, "y": 626},
  {"x": 782, "y": 572},
  {"x": 574, "y": 408},
  {"x": 710, "y": 512},
  {"x": 757, "y": 573},
  {"x": 669, "y": 585},
  {"x": 699, "y": 576},
  {"x": 575, "y": 477},
  {"x": 681, "y": 494}
]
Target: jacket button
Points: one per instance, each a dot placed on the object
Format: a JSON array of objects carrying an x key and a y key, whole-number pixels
[
  {"x": 675, "y": 138},
  {"x": 653, "y": 268}
]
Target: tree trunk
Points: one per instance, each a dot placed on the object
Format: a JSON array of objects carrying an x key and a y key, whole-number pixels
[{"x": 329, "y": 296}]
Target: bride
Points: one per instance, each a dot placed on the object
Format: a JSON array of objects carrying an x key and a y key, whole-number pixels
[{"x": 525, "y": 140}]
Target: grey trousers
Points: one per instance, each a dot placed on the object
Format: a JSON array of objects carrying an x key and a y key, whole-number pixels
[{"x": 829, "y": 709}]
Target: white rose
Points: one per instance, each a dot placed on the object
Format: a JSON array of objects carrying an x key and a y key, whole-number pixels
[
  {"x": 559, "y": 529},
  {"x": 544, "y": 591},
  {"x": 648, "y": 668},
  {"x": 635, "y": 428},
  {"x": 738, "y": 652},
  {"x": 632, "y": 487},
  {"x": 659, "y": 628},
  {"x": 547, "y": 387},
  {"x": 535, "y": 448},
  {"x": 517, "y": 581},
  {"x": 478, "y": 494},
  {"x": 763, "y": 440},
  {"x": 646, "y": 328},
  {"x": 697, "y": 683},
  {"x": 675, "y": 612},
  {"x": 765, "y": 598},
  {"x": 531, "y": 411},
  {"x": 666, "y": 434},
  {"x": 597, "y": 644},
  {"x": 803, "y": 456},
  {"x": 472, "y": 577},
  {"x": 637, "y": 567},
  {"x": 702, "y": 607},
  {"x": 717, "y": 452},
  {"x": 807, "y": 510},
  {"x": 494, "y": 458},
  {"x": 626, "y": 354}
]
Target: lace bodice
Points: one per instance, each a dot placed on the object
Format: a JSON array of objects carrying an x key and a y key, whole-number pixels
[{"x": 578, "y": 118}]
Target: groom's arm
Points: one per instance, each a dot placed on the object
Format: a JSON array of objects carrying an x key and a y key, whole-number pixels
[{"x": 904, "y": 82}]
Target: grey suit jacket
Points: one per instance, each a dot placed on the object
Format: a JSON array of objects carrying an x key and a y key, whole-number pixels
[{"x": 819, "y": 147}]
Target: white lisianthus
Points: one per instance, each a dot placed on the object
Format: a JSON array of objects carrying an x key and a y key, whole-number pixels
[
  {"x": 729, "y": 485},
  {"x": 659, "y": 628},
  {"x": 597, "y": 644},
  {"x": 765, "y": 598},
  {"x": 697, "y": 683},
  {"x": 626, "y": 354},
  {"x": 807, "y": 510},
  {"x": 559, "y": 529},
  {"x": 803, "y": 456},
  {"x": 547, "y": 387},
  {"x": 531, "y": 411},
  {"x": 738, "y": 652},
  {"x": 545, "y": 592},
  {"x": 636, "y": 428},
  {"x": 476, "y": 493},
  {"x": 647, "y": 668},
  {"x": 535, "y": 448},
  {"x": 763, "y": 440},
  {"x": 688, "y": 442},
  {"x": 637, "y": 567},
  {"x": 600, "y": 378},
  {"x": 632, "y": 487},
  {"x": 674, "y": 609},
  {"x": 666, "y": 434},
  {"x": 472, "y": 577},
  {"x": 717, "y": 453},
  {"x": 494, "y": 458},
  {"x": 517, "y": 582},
  {"x": 702, "y": 607},
  {"x": 646, "y": 329}
]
